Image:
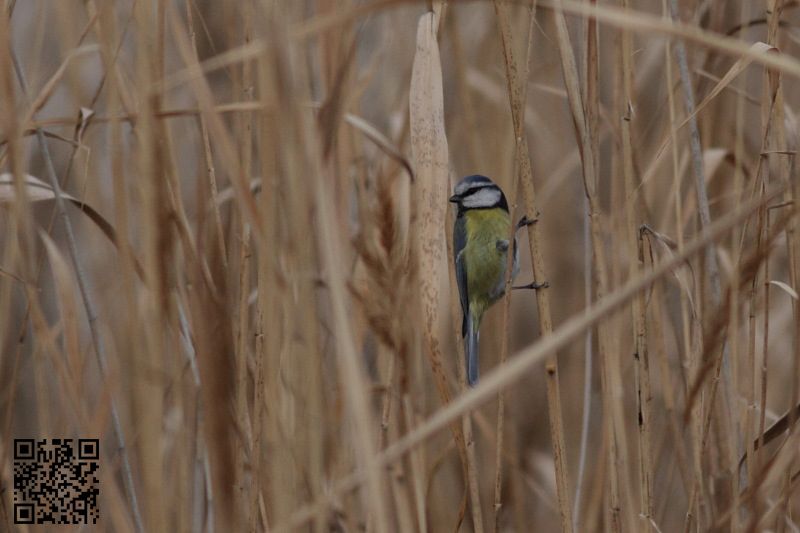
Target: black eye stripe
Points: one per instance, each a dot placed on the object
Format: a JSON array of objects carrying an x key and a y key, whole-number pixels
[
  {"x": 473, "y": 190},
  {"x": 474, "y": 182}
]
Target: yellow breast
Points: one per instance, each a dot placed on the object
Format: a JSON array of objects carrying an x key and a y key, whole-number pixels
[{"x": 486, "y": 262}]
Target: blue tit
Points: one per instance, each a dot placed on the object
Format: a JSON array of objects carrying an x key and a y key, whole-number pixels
[{"x": 480, "y": 247}]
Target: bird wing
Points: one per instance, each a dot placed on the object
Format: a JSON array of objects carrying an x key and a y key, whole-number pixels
[{"x": 459, "y": 242}]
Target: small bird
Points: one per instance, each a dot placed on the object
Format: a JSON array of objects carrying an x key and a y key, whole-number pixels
[{"x": 480, "y": 246}]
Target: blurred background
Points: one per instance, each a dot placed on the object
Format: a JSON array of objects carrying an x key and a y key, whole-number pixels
[{"x": 241, "y": 298}]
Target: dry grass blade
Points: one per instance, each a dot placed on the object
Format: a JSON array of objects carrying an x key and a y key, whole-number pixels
[
  {"x": 683, "y": 274},
  {"x": 36, "y": 189},
  {"x": 65, "y": 288},
  {"x": 227, "y": 58},
  {"x": 51, "y": 85},
  {"x": 785, "y": 288},
  {"x": 216, "y": 126},
  {"x": 644, "y": 23},
  {"x": 380, "y": 140},
  {"x": 229, "y": 193},
  {"x": 39, "y": 191},
  {"x": 715, "y": 337},
  {"x": 736, "y": 69}
]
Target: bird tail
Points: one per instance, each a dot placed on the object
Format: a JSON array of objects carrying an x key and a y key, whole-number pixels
[{"x": 471, "y": 349}]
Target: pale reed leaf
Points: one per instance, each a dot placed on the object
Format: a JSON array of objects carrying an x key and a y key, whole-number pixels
[
  {"x": 430, "y": 155},
  {"x": 39, "y": 191},
  {"x": 36, "y": 189},
  {"x": 786, "y": 288}
]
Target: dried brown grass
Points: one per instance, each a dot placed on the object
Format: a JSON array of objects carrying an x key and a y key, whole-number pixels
[{"x": 225, "y": 253}]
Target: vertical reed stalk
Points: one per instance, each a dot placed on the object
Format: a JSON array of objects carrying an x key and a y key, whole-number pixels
[{"x": 525, "y": 178}]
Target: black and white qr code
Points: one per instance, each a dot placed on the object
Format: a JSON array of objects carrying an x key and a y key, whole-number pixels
[{"x": 56, "y": 482}]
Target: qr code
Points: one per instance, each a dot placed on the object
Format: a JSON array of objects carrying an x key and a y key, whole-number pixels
[{"x": 56, "y": 482}]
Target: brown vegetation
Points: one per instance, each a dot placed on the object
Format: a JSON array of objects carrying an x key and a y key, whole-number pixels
[{"x": 224, "y": 250}]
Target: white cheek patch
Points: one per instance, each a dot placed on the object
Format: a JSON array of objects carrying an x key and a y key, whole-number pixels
[{"x": 487, "y": 197}]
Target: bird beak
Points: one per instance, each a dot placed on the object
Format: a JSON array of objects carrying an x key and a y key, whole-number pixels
[{"x": 455, "y": 198}]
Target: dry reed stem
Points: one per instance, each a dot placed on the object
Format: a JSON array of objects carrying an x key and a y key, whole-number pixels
[
  {"x": 350, "y": 372},
  {"x": 70, "y": 367},
  {"x": 461, "y": 371},
  {"x": 203, "y": 94},
  {"x": 609, "y": 367},
  {"x": 525, "y": 181},
  {"x": 103, "y": 25},
  {"x": 49, "y": 87},
  {"x": 129, "y": 264},
  {"x": 473, "y": 476},
  {"x": 19, "y": 251},
  {"x": 534, "y": 354},
  {"x": 590, "y": 72},
  {"x": 670, "y": 400},
  {"x": 500, "y": 428},
  {"x": 733, "y": 73},
  {"x": 330, "y": 247},
  {"x": 629, "y": 19},
  {"x": 229, "y": 356},
  {"x": 689, "y": 315},
  {"x": 724, "y": 420},
  {"x": 785, "y": 142},
  {"x": 209, "y": 160},
  {"x": 633, "y": 204},
  {"x": 244, "y": 131},
  {"x": 749, "y": 274}
]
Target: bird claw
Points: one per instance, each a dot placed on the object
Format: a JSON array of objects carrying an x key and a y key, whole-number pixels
[
  {"x": 525, "y": 221},
  {"x": 533, "y": 285}
]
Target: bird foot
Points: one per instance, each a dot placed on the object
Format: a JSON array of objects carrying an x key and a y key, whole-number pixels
[
  {"x": 525, "y": 221},
  {"x": 533, "y": 285}
]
